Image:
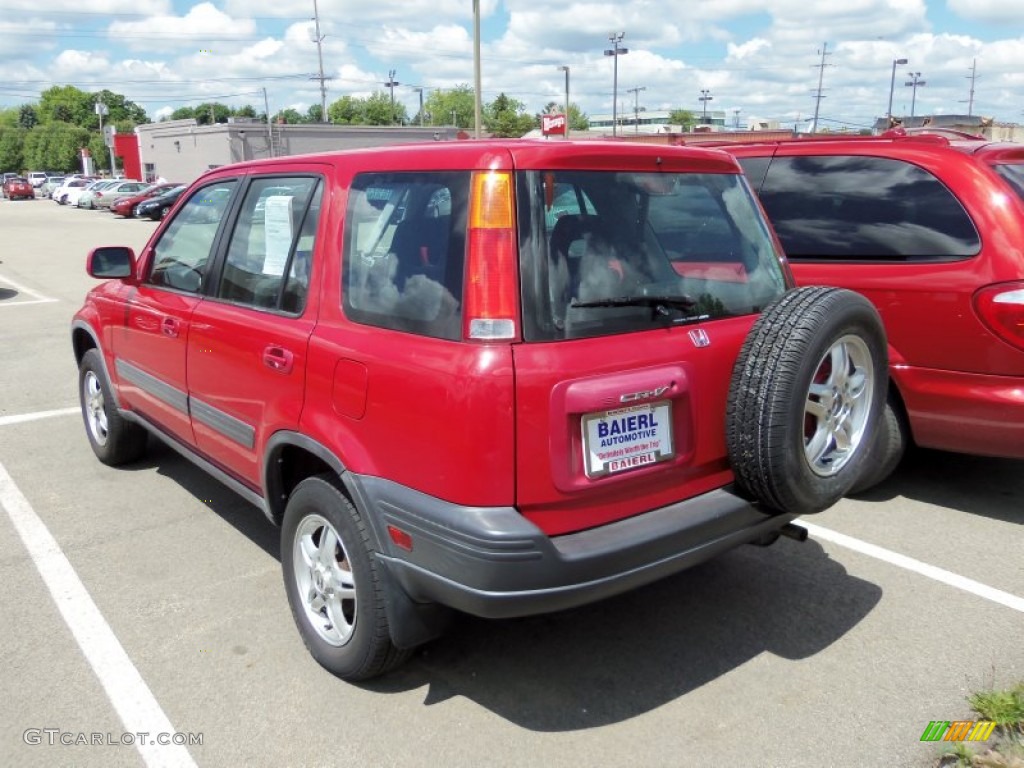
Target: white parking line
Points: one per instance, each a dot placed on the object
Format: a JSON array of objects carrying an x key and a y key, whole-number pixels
[
  {"x": 127, "y": 691},
  {"x": 924, "y": 569},
  {"x": 21, "y": 418},
  {"x": 39, "y": 298}
]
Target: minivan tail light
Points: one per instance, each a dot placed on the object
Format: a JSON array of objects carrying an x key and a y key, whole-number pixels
[
  {"x": 491, "y": 308},
  {"x": 1001, "y": 308}
]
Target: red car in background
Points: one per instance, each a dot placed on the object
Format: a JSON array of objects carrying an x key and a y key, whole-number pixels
[
  {"x": 126, "y": 205},
  {"x": 16, "y": 187}
]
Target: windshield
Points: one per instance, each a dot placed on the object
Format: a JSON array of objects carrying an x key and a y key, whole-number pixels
[{"x": 612, "y": 252}]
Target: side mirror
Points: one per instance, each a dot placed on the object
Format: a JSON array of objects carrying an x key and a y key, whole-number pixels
[{"x": 111, "y": 261}]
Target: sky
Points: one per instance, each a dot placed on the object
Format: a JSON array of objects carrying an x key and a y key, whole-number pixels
[{"x": 753, "y": 58}]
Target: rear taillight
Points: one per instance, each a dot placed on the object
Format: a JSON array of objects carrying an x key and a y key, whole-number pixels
[
  {"x": 1001, "y": 308},
  {"x": 492, "y": 290}
]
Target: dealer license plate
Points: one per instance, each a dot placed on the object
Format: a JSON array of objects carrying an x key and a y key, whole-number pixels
[{"x": 627, "y": 438}]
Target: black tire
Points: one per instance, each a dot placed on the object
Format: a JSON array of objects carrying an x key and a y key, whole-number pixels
[
  {"x": 362, "y": 648},
  {"x": 798, "y": 432},
  {"x": 114, "y": 439},
  {"x": 890, "y": 445}
]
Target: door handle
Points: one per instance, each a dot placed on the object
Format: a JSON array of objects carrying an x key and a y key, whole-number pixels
[
  {"x": 278, "y": 359},
  {"x": 170, "y": 326}
]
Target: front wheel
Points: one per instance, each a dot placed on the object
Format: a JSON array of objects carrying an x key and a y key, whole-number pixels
[
  {"x": 805, "y": 400},
  {"x": 114, "y": 439},
  {"x": 332, "y": 580}
]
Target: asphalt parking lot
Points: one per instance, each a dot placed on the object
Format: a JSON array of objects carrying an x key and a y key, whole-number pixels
[{"x": 159, "y": 601}]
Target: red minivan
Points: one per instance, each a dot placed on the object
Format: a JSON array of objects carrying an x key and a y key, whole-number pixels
[
  {"x": 497, "y": 377},
  {"x": 930, "y": 227}
]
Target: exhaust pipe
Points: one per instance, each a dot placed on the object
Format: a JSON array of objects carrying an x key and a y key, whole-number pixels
[{"x": 794, "y": 531}]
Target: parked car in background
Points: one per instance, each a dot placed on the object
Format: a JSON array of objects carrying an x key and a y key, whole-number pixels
[
  {"x": 125, "y": 206},
  {"x": 18, "y": 188},
  {"x": 930, "y": 227},
  {"x": 50, "y": 186},
  {"x": 104, "y": 198},
  {"x": 36, "y": 178},
  {"x": 60, "y": 196},
  {"x": 447, "y": 401},
  {"x": 157, "y": 207},
  {"x": 83, "y": 199}
]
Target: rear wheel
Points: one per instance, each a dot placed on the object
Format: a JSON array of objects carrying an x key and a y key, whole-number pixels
[
  {"x": 332, "y": 580},
  {"x": 806, "y": 396},
  {"x": 887, "y": 452}
]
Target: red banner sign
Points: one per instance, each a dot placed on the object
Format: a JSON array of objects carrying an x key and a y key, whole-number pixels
[{"x": 552, "y": 125}]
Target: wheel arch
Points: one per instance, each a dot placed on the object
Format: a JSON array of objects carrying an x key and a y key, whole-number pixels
[{"x": 291, "y": 457}]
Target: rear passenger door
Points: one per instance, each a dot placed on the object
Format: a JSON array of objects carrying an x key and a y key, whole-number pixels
[{"x": 247, "y": 349}]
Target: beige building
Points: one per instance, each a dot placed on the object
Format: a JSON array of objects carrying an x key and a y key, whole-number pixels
[{"x": 181, "y": 150}]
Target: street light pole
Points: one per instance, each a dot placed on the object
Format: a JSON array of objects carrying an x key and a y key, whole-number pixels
[
  {"x": 705, "y": 97},
  {"x": 565, "y": 69},
  {"x": 636, "y": 105},
  {"x": 615, "y": 51},
  {"x": 892, "y": 86},
  {"x": 392, "y": 84},
  {"x": 419, "y": 90},
  {"x": 914, "y": 83},
  {"x": 477, "y": 105},
  {"x": 320, "y": 55}
]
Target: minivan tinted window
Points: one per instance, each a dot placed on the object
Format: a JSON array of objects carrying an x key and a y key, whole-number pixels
[{"x": 853, "y": 207}]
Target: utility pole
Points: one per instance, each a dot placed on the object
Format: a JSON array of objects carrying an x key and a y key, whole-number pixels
[
  {"x": 391, "y": 84},
  {"x": 736, "y": 118},
  {"x": 636, "y": 105},
  {"x": 705, "y": 97},
  {"x": 565, "y": 68},
  {"x": 818, "y": 93},
  {"x": 270, "y": 129},
  {"x": 419, "y": 89},
  {"x": 320, "y": 56},
  {"x": 477, "y": 96},
  {"x": 914, "y": 82},
  {"x": 615, "y": 51},
  {"x": 972, "y": 77}
]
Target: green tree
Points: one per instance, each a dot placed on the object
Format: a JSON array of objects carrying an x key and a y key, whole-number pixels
[
  {"x": 27, "y": 117},
  {"x": 247, "y": 111},
  {"x": 314, "y": 114},
  {"x": 55, "y": 146},
  {"x": 67, "y": 104},
  {"x": 506, "y": 117},
  {"x": 211, "y": 112},
  {"x": 683, "y": 117},
  {"x": 379, "y": 110},
  {"x": 183, "y": 113},
  {"x": 289, "y": 116},
  {"x": 345, "y": 111},
  {"x": 11, "y": 142},
  {"x": 9, "y": 116},
  {"x": 451, "y": 107}
]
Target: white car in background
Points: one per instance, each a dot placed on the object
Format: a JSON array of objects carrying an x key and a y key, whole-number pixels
[
  {"x": 60, "y": 195},
  {"x": 76, "y": 193},
  {"x": 104, "y": 198}
]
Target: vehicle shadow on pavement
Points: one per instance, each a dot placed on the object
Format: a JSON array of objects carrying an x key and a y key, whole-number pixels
[
  {"x": 614, "y": 660},
  {"x": 978, "y": 485},
  {"x": 7, "y": 293}
]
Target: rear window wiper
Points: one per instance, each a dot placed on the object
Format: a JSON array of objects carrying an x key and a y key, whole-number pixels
[{"x": 660, "y": 304}]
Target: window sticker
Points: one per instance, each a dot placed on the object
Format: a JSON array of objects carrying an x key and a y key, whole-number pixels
[{"x": 277, "y": 233}]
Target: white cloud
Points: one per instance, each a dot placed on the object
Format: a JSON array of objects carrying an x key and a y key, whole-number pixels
[
  {"x": 989, "y": 11},
  {"x": 203, "y": 27}
]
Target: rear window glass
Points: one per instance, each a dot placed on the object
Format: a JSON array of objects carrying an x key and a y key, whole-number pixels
[
  {"x": 405, "y": 250},
  {"x": 606, "y": 252},
  {"x": 851, "y": 207},
  {"x": 1014, "y": 174}
]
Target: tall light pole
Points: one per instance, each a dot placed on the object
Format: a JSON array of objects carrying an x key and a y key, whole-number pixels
[
  {"x": 616, "y": 50},
  {"x": 892, "y": 85},
  {"x": 705, "y": 97},
  {"x": 419, "y": 89},
  {"x": 320, "y": 56},
  {"x": 101, "y": 110},
  {"x": 915, "y": 81},
  {"x": 565, "y": 68},
  {"x": 636, "y": 105}
]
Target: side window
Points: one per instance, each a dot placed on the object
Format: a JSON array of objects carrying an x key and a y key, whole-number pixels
[
  {"x": 271, "y": 249},
  {"x": 874, "y": 208},
  {"x": 182, "y": 253},
  {"x": 405, "y": 250}
]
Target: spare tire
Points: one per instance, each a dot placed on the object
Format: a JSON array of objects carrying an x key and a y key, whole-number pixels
[{"x": 805, "y": 399}]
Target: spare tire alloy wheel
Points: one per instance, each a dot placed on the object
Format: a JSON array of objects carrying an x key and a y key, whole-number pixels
[
  {"x": 331, "y": 577},
  {"x": 805, "y": 400}
]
